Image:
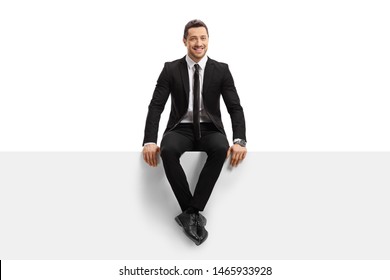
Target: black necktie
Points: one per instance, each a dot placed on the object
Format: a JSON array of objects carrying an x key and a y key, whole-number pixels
[{"x": 196, "y": 116}]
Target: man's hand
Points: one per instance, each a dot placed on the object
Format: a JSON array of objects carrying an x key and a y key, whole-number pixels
[
  {"x": 150, "y": 152},
  {"x": 238, "y": 154}
]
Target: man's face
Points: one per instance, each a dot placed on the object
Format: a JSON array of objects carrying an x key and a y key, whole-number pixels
[{"x": 196, "y": 43}]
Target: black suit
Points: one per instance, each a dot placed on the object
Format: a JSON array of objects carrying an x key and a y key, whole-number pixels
[{"x": 178, "y": 138}]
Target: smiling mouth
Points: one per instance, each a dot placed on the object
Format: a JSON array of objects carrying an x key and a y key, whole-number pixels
[{"x": 198, "y": 50}]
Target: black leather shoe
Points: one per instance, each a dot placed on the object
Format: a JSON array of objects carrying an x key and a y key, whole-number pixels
[
  {"x": 202, "y": 233},
  {"x": 189, "y": 222},
  {"x": 202, "y": 220}
]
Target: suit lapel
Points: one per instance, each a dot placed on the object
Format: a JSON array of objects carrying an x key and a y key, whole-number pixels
[
  {"x": 184, "y": 77},
  {"x": 208, "y": 75}
]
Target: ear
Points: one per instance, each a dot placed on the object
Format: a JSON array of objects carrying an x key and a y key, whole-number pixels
[{"x": 185, "y": 42}]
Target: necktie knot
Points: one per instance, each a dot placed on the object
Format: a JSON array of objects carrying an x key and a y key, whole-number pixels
[{"x": 196, "y": 67}]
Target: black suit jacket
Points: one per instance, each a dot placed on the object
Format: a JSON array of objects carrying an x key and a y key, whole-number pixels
[{"x": 174, "y": 80}]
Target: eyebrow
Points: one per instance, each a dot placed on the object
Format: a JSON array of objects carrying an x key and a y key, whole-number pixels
[{"x": 201, "y": 36}]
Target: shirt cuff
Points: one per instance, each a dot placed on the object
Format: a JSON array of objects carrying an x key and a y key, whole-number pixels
[{"x": 148, "y": 143}]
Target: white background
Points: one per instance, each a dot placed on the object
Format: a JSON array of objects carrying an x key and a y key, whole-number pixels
[{"x": 79, "y": 75}]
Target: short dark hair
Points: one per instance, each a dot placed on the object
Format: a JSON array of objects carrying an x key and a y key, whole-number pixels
[{"x": 194, "y": 23}]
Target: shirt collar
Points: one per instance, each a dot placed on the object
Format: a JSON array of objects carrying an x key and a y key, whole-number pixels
[{"x": 191, "y": 63}]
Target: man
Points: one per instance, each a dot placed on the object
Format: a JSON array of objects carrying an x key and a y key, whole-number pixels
[{"x": 195, "y": 83}]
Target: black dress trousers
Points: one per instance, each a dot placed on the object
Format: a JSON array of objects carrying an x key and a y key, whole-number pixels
[{"x": 180, "y": 140}]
